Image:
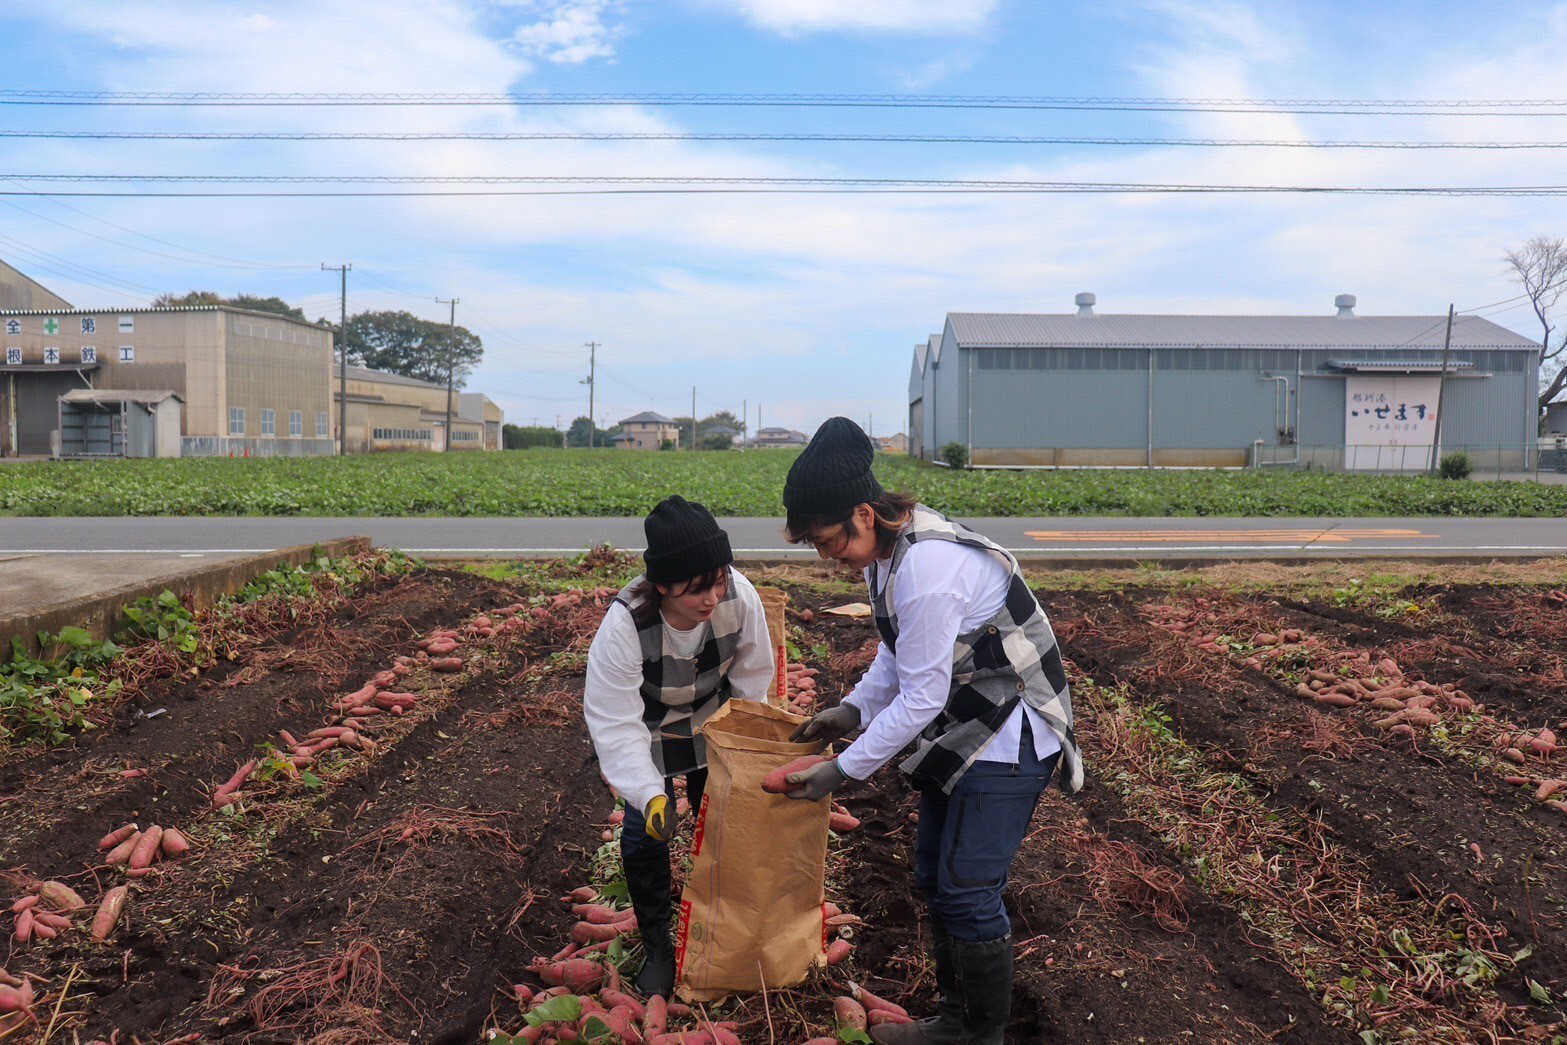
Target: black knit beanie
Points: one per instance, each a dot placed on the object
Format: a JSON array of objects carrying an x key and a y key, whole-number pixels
[
  {"x": 683, "y": 541},
  {"x": 833, "y": 473}
]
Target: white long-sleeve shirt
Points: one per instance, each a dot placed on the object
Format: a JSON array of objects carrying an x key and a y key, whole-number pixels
[
  {"x": 944, "y": 589},
  {"x": 612, "y": 698}
]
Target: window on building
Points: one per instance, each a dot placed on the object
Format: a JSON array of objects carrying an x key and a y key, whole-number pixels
[
  {"x": 236, "y": 420},
  {"x": 269, "y": 422},
  {"x": 323, "y": 427},
  {"x": 296, "y": 423}
]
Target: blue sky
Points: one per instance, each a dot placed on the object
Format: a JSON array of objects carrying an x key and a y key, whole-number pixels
[{"x": 806, "y": 304}]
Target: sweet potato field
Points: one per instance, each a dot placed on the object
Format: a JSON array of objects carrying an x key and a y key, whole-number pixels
[{"x": 1328, "y": 815}]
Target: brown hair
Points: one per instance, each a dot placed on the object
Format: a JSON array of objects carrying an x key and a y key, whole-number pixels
[
  {"x": 892, "y": 515},
  {"x": 651, "y": 598}
]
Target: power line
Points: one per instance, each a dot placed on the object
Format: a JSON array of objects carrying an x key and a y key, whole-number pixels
[
  {"x": 644, "y": 184},
  {"x": 1336, "y": 106},
  {"x": 747, "y": 136},
  {"x": 201, "y": 257}
]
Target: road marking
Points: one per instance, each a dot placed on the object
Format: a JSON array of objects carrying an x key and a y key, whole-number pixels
[{"x": 1304, "y": 536}]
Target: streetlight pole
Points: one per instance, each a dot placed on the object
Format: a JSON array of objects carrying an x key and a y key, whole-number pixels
[
  {"x": 342, "y": 366},
  {"x": 451, "y": 353}
]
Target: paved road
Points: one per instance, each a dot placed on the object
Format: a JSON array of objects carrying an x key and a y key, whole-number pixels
[{"x": 1085, "y": 539}]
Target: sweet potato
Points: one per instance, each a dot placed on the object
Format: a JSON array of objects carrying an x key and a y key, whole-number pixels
[
  {"x": 841, "y": 822},
  {"x": 61, "y": 897},
  {"x": 1513, "y": 755},
  {"x": 122, "y": 852},
  {"x": 174, "y": 843},
  {"x": 446, "y": 664},
  {"x": 53, "y": 921},
  {"x": 147, "y": 848},
  {"x": 115, "y": 837},
  {"x": 23, "y": 904},
  {"x": 237, "y": 781},
  {"x": 1337, "y": 700},
  {"x": 579, "y": 974},
  {"x": 24, "y": 927},
  {"x": 581, "y": 894},
  {"x": 656, "y": 1018},
  {"x": 109, "y": 911},
  {"x": 601, "y": 914},
  {"x": 848, "y": 1013},
  {"x": 614, "y": 999},
  {"x": 776, "y": 782},
  {"x": 588, "y": 932},
  {"x": 839, "y": 950},
  {"x": 1549, "y": 788},
  {"x": 1421, "y": 717},
  {"x": 18, "y": 998},
  {"x": 872, "y": 1001},
  {"x": 683, "y": 1037}
]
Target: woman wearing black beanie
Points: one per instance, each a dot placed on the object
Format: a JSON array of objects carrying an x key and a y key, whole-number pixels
[
  {"x": 969, "y": 673},
  {"x": 681, "y": 639}
]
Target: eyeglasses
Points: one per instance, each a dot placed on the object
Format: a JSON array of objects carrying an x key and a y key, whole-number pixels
[{"x": 831, "y": 547}]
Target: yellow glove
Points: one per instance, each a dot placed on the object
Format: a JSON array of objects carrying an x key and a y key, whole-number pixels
[{"x": 660, "y": 826}]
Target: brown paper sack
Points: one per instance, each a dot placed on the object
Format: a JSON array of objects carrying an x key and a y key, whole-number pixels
[
  {"x": 751, "y": 913},
  {"x": 773, "y": 602}
]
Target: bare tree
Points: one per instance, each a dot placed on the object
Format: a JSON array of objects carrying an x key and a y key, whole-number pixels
[{"x": 1540, "y": 267}]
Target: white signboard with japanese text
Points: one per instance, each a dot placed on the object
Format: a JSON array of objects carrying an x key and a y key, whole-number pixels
[{"x": 1389, "y": 421}]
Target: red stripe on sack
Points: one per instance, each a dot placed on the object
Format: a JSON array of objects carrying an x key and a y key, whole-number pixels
[
  {"x": 701, "y": 826},
  {"x": 782, "y": 660},
  {"x": 680, "y": 938}
]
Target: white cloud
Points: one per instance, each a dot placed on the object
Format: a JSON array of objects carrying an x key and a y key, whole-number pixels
[
  {"x": 570, "y": 31},
  {"x": 908, "y": 16}
]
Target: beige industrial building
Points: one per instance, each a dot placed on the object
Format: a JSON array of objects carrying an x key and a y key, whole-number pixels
[
  {"x": 250, "y": 382},
  {"x": 202, "y": 380},
  {"x": 393, "y": 412}
]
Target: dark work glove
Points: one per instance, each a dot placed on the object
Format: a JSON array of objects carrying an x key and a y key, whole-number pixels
[
  {"x": 818, "y": 782},
  {"x": 829, "y": 726}
]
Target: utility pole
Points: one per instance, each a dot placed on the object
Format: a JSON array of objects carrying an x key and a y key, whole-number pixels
[
  {"x": 451, "y": 354},
  {"x": 745, "y": 419},
  {"x": 1441, "y": 387},
  {"x": 593, "y": 348},
  {"x": 342, "y": 366},
  {"x": 693, "y": 417}
]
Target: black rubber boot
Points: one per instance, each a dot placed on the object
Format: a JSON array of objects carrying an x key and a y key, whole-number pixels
[
  {"x": 648, "y": 881},
  {"x": 984, "y": 971},
  {"x": 947, "y": 1024}
]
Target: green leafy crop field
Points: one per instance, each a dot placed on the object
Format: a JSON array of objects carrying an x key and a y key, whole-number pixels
[{"x": 619, "y": 482}]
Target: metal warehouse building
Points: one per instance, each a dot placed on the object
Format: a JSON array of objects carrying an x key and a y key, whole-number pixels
[{"x": 1332, "y": 391}]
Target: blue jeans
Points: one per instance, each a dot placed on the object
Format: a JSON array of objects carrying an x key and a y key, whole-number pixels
[
  {"x": 967, "y": 841},
  {"x": 633, "y": 832}
]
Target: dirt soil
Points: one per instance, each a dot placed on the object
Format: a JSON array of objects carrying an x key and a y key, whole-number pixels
[{"x": 399, "y": 899}]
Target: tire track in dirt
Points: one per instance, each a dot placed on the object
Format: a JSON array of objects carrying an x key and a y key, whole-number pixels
[
  {"x": 1411, "y": 816},
  {"x": 436, "y": 913},
  {"x": 209, "y": 728}
]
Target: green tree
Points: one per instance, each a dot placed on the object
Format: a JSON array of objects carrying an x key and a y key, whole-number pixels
[
  {"x": 249, "y": 301},
  {"x": 577, "y": 434},
  {"x": 521, "y": 437},
  {"x": 402, "y": 343}
]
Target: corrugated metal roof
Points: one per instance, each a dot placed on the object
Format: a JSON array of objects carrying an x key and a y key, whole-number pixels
[
  {"x": 161, "y": 308},
  {"x": 117, "y": 395},
  {"x": 1011, "y": 330},
  {"x": 359, "y": 373}
]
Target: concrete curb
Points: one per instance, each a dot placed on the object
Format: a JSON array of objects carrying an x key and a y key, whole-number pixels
[{"x": 100, "y": 613}]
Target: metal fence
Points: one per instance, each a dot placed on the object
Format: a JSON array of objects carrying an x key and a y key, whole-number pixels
[{"x": 1545, "y": 460}]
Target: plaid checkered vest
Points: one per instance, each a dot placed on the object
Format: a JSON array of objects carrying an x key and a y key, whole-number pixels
[
  {"x": 680, "y": 693},
  {"x": 1011, "y": 657}
]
